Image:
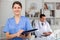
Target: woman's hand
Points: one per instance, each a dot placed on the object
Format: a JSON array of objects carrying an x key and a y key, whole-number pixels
[
  {"x": 28, "y": 35},
  {"x": 19, "y": 33},
  {"x": 9, "y": 36},
  {"x": 22, "y": 36}
]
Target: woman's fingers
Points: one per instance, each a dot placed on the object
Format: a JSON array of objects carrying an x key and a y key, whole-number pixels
[{"x": 19, "y": 33}]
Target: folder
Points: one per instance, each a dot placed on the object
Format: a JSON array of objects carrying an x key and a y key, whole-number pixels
[{"x": 25, "y": 32}]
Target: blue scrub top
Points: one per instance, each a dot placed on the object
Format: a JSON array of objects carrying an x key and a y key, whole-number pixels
[{"x": 13, "y": 28}]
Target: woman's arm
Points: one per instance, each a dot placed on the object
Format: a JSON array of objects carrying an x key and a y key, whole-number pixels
[{"x": 9, "y": 36}]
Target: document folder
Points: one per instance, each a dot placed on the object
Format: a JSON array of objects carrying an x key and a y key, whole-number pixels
[{"x": 25, "y": 32}]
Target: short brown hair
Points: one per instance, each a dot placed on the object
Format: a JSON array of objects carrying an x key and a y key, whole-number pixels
[
  {"x": 17, "y": 2},
  {"x": 42, "y": 15}
]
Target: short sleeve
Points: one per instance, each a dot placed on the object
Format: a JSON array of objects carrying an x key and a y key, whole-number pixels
[
  {"x": 28, "y": 24},
  {"x": 6, "y": 27}
]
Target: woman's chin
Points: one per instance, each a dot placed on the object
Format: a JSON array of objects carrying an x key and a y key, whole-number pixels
[{"x": 17, "y": 13}]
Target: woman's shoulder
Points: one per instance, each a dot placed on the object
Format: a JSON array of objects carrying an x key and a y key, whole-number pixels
[
  {"x": 23, "y": 17},
  {"x": 10, "y": 19}
]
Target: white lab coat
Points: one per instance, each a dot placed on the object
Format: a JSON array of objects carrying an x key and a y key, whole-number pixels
[{"x": 41, "y": 29}]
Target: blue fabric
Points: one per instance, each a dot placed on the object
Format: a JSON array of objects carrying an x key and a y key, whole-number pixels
[{"x": 13, "y": 28}]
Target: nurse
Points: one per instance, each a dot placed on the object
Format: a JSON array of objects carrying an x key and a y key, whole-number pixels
[{"x": 17, "y": 24}]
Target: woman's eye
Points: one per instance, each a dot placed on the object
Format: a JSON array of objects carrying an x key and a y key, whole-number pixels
[
  {"x": 14, "y": 7},
  {"x": 18, "y": 7}
]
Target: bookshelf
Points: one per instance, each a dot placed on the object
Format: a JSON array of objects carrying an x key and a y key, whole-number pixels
[
  {"x": 53, "y": 12},
  {"x": 51, "y": 8}
]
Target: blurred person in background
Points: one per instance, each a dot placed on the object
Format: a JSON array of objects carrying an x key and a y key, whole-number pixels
[{"x": 44, "y": 31}]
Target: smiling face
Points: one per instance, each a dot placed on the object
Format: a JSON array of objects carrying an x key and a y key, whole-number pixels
[{"x": 17, "y": 9}]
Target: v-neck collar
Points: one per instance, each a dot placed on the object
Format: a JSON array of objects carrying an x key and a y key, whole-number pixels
[{"x": 15, "y": 21}]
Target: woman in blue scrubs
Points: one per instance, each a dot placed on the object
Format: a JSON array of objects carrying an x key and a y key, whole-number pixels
[{"x": 17, "y": 24}]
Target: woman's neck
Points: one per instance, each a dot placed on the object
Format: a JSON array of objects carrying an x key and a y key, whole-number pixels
[{"x": 17, "y": 16}]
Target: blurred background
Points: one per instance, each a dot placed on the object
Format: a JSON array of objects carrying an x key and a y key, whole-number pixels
[{"x": 32, "y": 9}]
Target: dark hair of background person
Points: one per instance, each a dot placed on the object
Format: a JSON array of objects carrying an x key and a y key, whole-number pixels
[
  {"x": 17, "y": 2},
  {"x": 42, "y": 15}
]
